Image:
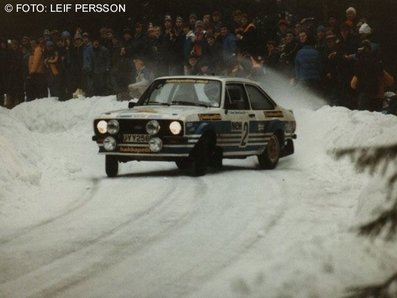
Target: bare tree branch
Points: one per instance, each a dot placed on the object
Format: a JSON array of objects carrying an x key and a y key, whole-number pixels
[
  {"x": 377, "y": 159},
  {"x": 374, "y": 291}
]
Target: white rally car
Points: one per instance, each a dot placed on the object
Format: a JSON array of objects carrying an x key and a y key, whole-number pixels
[{"x": 196, "y": 122}]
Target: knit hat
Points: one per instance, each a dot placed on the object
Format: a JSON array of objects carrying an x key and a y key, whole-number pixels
[
  {"x": 321, "y": 28},
  {"x": 49, "y": 44},
  {"x": 351, "y": 10},
  {"x": 199, "y": 23},
  {"x": 65, "y": 34},
  {"x": 365, "y": 29}
]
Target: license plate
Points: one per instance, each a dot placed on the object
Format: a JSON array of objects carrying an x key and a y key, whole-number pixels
[{"x": 135, "y": 138}]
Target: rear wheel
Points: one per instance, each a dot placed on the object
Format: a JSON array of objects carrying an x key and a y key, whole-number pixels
[
  {"x": 270, "y": 156},
  {"x": 111, "y": 166}
]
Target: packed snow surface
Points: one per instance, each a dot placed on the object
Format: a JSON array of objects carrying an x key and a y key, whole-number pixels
[{"x": 66, "y": 230}]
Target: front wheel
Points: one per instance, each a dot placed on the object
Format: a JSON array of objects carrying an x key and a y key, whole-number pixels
[
  {"x": 270, "y": 156},
  {"x": 200, "y": 157},
  {"x": 111, "y": 166},
  {"x": 183, "y": 163}
]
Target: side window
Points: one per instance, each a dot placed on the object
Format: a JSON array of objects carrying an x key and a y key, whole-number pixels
[
  {"x": 259, "y": 101},
  {"x": 236, "y": 98}
]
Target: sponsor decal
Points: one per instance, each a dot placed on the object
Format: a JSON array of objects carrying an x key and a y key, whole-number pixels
[
  {"x": 133, "y": 149},
  {"x": 237, "y": 126},
  {"x": 209, "y": 117},
  {"x": 274, "y": 114}
]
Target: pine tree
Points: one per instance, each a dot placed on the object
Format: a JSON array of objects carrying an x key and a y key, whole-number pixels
[{"x": 382, "y": 160}]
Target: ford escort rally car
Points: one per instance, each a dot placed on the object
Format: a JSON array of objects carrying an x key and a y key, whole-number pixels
[{"x": 196, "y": 122}]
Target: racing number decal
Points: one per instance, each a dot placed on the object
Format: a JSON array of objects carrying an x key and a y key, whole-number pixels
[{"x": 244, "y": 135}]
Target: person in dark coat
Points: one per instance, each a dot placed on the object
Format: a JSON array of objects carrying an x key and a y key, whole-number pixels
[
  {"x": 155, "y": 54},
  {"x": 212, "y": 53},
  {"x": 101, "y": 64},
  {"x": 76, "y": 64},
  {"x": 246, "y": 36},
  {"x": 140, "y": 43},
  {"x": 289, "y": 48},
  {"x": 347, "y": 48},
  {"x": 3, "y": 69},
  {"x": 121, "y": 70},
  {"x": 14, "y": 79},
  {"x": 369, "y": 79}
]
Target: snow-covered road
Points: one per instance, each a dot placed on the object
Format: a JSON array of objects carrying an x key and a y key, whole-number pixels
[{"x": 68, "y": 231}]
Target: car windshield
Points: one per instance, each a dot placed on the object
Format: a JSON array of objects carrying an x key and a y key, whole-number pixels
[{"x": 191, "y": 92}]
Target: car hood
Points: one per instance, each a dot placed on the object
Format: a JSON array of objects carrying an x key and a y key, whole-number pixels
[{"x": 157, "y": 112}]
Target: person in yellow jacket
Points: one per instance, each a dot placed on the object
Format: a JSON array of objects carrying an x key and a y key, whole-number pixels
[
  {"x": 38, "y": 72},
  {"x": 52, "y": 62}
]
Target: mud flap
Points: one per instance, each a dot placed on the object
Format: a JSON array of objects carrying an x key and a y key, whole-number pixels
[{"x": 288, "y": 149}]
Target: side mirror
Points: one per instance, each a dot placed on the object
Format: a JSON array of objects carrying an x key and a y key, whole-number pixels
[{"x": 132, "y": 103}]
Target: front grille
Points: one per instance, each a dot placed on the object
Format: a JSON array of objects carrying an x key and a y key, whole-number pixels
[
  {"x": 139, "y": 127},
  {"x": 133, "y": 126}
]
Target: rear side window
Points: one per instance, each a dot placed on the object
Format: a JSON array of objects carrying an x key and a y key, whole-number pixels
[{"x": 259, "y": 101}]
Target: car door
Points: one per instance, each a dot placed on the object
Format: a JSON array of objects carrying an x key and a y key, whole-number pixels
[
  {"x": 265, "y": 114},
  {"x": 238, "y": 112}
]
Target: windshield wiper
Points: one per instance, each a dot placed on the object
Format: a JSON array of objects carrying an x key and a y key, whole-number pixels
[
  {"x": 189, "y": 103},
  {"x": 158, "y": 103}
]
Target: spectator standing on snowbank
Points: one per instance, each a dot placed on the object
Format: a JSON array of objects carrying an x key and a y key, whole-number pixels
[
  {"x": 369, "y": 79},
  {"x": 308, "y": 65},
  {"x": 52, "y": 63},
  {"x": 101, "y": 64},
  {"x": 38, "y": 71},
  {"x": 143, "y": 78}
]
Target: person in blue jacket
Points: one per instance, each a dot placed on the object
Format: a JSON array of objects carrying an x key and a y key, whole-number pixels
[{"x": 308, "y": 64}]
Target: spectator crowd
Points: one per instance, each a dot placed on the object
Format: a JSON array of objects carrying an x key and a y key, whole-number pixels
[{"x": 336, "y": 58}]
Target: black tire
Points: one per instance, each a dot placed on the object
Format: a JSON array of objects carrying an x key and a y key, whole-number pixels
[
  {"x": 200, "y": 157},
  {"x": 271, "y": 155},
  {"x": 183, "y": 163},
  {"x": 216, "y": 159},
  {"x": 111, "y": 166}
]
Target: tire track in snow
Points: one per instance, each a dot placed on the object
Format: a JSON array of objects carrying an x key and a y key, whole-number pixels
[
  {"x": 156, "y": 209},
  {"x": 74, "y": 206},
  {"x": 118, "y": 254}
]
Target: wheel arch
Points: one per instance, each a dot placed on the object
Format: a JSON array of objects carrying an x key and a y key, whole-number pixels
[{"x": 278, "y": 127}]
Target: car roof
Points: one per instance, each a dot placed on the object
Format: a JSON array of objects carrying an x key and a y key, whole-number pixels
[{"x": 217, "y": 78}]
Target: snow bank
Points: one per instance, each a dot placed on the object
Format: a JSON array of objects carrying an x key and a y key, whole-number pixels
[
  {"x": 49, "y": 165},
  {"x": 20, "y": 154}
]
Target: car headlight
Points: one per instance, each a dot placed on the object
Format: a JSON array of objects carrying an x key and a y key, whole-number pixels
[
  {"x": 102, "y": 126},
  {"x": 155, "y": 144},
  {"x": 153, "y": 127},
  {"x": 109, "y": 143},
  {"x": 113, "y": 127},
  {"x": 175, "y": 127}
]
